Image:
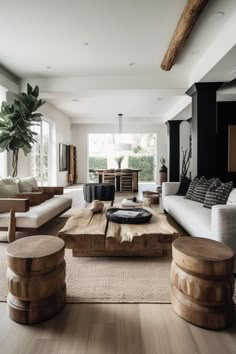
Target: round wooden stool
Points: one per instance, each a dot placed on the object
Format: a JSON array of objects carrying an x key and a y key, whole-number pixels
[
  {"x": 36, "y": 278},
  {"x": 150, "y": 198},
  {"x": 202, "y": 282}
]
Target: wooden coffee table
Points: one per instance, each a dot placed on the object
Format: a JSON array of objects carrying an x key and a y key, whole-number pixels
[{"x": 89, "y": 234}]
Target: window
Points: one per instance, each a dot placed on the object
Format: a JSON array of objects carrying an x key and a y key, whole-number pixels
[
  {"x": 3, "y": 155},
  {"x": 40, "y": 154},
  {"x": 143, "y": 154}
]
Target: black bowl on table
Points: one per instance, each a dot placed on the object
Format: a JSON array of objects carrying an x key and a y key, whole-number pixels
[{"x": 143, "y": 216}]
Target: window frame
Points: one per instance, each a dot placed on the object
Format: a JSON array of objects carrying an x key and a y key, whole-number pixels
[{"x": 41, "y": 182}]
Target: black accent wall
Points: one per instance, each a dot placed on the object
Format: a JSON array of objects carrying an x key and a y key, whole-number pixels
[
  {"x": 226, "y": 115},
  {"x": 173, "y": 143},
  {"x": 204, "y": 139}
]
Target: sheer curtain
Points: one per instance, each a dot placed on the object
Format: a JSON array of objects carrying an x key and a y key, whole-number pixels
[{"x": 3, "y": 155}]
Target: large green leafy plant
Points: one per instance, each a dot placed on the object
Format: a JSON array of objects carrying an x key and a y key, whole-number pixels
[{"x": 16, "y": 122}]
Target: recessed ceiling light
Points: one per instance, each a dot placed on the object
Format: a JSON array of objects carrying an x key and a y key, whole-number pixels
[
  {"x": 196, "y": 51},
  {"x": 48, "y": 67},
  {"x": 218, "y": 14},
  {"x": 132, "y": 63},
  {"x": 75, "y": 100},
  {"x": 85, "y": 44}
]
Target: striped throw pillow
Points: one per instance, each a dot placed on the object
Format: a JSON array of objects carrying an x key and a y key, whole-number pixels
[
  {"x": 191, "y": 188},
  {"x": 218, "y": 193},
  {"x": 201, "y": 189}
]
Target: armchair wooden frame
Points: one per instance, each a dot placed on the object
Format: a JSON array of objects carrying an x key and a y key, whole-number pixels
[
  {"x": 13, "y": 205},
  {"x": 21, "y": 203}
]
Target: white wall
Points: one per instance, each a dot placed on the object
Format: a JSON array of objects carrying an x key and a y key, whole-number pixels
[
  {"x": 80, "y": 140},
  {"x": 9, "y": 81}
]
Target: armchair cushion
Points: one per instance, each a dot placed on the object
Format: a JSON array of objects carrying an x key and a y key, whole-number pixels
[
  {"x": 27, "y": 184},
  {"x": 8, "y": 187}
]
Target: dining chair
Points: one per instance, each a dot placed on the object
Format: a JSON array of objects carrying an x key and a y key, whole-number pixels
[
  {"x": 109, "y": 176},
  {"x": 126, "y": 180}
]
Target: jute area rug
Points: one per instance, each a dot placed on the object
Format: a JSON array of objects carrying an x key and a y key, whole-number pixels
[{"x": 109, "y": 280}]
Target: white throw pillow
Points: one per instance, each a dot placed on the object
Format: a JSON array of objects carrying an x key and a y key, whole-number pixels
[
  {"x": 8, "y": 187},
  {"x": 27, "y": 184},
  {"x": 232, "y": 197}
]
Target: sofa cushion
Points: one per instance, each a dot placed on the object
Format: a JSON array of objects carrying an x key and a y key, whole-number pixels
[
  {"x": 40, "y": 214},
  {"x": 191, "y": 215},
  {"x": 191, "y": 188},
  {"x": 217, "y": 193},
  {"x": 27, "y": 184},
  {"x": 8, "y": 187},
  {"x": 201, "y": 188},
  {"x": 184, "y": 185},
  {"x": 232, "y": 197}
]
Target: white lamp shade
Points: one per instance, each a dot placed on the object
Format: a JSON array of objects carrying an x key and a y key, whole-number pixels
[{"x": 121, "y": 147}]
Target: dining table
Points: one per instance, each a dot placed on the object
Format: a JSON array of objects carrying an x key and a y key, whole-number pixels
[{"x": 117, "y": 173}]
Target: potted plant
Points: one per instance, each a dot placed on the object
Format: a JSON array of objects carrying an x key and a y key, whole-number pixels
[
  {"x": 16, "y": 121},
  {"x": 163, "y": 170}
]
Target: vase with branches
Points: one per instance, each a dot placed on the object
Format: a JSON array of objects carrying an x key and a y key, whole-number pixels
[
  {"x": 186, "y": 156},
  {"x": 119, "y": 160},
  {"x": 16, "y": 122},
  {"x": 163, "y": 170}
]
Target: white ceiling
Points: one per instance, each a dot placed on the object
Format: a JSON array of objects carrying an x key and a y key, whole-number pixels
[
  {"x": 106, "y": 105},
  {"x": 225, "y": 70},
  {"x": 52, "y": 34}
]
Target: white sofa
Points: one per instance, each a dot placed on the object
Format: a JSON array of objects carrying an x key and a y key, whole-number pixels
[{"x": 218, "y": 223}]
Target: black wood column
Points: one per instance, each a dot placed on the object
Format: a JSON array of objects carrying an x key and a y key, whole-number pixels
[
  {"x": 173, "y": 150},
  {"x": 204, "y": 122},
  {"x": 226, "y": 116}
]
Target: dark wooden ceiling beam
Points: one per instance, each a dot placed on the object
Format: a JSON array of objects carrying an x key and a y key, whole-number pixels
[{"x": 189, "y": 17}]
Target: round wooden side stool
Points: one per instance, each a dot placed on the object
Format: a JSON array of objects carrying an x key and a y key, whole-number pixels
[
  {"x": 150, "y": 198},
  {"x": 36, "y": 278},
  {"x": 202, "y": 282}
]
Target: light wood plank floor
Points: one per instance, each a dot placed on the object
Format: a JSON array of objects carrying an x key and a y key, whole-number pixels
[{"x": 113, "y": 329}]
